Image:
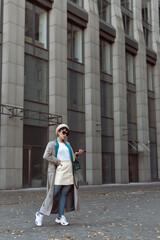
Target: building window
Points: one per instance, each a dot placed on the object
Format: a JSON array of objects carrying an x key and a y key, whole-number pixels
[
  {"x": 150, "y": 77},
  {"x": 36, "y": 25},
  {"x": 127, "y": 15},
  {"x": 130, "y": 68},
  {"x": 106, "y": 100},
  {"x": 146, "y": 11},
  {"x": 108, "y": 172},
  {"x": 1, "y": 9},
  {"x": 128, "y": 25},
  {"x": 159, "y": 16},
  {"x": 36, "y": 78},
  {"x": 146, "y": 20},
  {"x": 152, "y": 123},
  {"x": 131, "y": 107},
  {"x": 75, "y": 91},
  {"x": 131, "y": 99},
  {"x": 76, "y": 115},
  {"x": 107, "y": 131},
  {"x": 127, "y": 4},
  {"x": 78, "y": 2},
  {"x": 152, "y": 117},
  {"x": 105, "y": 57},
  {"x": 75, "y": 43},
  {"x": 0, "y": 15},
  {"x": 104, "y": 7}
]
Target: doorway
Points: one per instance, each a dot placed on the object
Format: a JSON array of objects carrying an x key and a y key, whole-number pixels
[
  {"x": 34, "y": 166},
  {"x": 27, "y": 167},
  {"x": 133, "y": 168}
]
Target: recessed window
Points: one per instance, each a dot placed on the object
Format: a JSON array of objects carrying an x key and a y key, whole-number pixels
[
  {"x": 36, "y": 76},
  {"x": 36, "y": 24},
  {"x": 104, "y": 7},
  {"x": 146, "y": 11},
  {"x": 150, "y": 77},
  {"x": 131, "y": 107},
  {"x": 159, "y": 16},
  {"x": 130, "y": 68},
  {"x": 127, "y": 4},
  {"x": 128, "y": 25},
  {"x": 106, "y": 57},
  {"x": 127, "y": 15},
  {"x": 78, "y": 2},
  {"x": 106, "y": 100},
  {"x": 75, "y": 91},
  {"x": 146, "y": 20},
  {"x": 75, "y": 43}
]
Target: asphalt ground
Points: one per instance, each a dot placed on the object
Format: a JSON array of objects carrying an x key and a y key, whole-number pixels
[{"x": 107, "y": 212}]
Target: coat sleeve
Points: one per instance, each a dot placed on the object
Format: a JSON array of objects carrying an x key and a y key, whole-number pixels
[{"x": 48, "y": 154}]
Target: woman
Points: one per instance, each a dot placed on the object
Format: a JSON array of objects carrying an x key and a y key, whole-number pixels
[{"x": 61, "y": 191}]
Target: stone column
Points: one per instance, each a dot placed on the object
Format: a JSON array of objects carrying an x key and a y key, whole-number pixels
[
  {"x": 156, "y": 48},
  {"x": 141, "y": 93},
  {"x": 92, "y": 94},
  {"x": 58, "y": 61},
  {"x": 11, "y": 138},
  {"x": 119, "y": 96}
]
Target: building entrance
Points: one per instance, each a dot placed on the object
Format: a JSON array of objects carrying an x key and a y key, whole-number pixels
[
  {"x": 133, "y": 168},
  {"x": 27, "y": 167},
  {"x": 34, "y": 167}
]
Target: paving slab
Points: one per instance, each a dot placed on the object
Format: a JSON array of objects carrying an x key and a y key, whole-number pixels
[{"x": 107, "y": 212}]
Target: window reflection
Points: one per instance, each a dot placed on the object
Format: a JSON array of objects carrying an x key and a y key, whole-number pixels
[
  {"x": 41, "y": 27},
  {"x": 127, "y": 4},
  {"x": 105, "y": 57},
  {"x": 78, "y": 2},
  {"x": 29, "y": 22},
  {"x": 127, "y": 16},
  {"x": 75, "y": 43},
  {"x": 36, "y": 75},
  {"x": 130, "y": 68},
  {"x": 36, "y": 25},
  {"x": 150, "y": 77},
  {"x": 104, "y": 7},
  {"x": 146, "y": 10},
  {"x": 75, "y": 91}
]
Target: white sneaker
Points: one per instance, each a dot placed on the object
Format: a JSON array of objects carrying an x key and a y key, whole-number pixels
[
  {"x": 39, "y": 218},
  {"x": 62, "y": 220}
]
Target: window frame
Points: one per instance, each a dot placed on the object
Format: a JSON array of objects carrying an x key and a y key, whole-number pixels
[
  {"x": 71, "y": 58},
  {"x": 129, "y": 54},
  {"x": 34, "y": 5},
  {"x": 102, "y": 41},
  {"x": 147, "y": 27},
  {"x": 80, "y": 5},
  {"x": 125, "y": 5},
  {"x": 127, "y": 13},
  {"x": 150, "y": 83},
  {"x": 100, "y": 10},
  {"x": 37, "y": 52}
]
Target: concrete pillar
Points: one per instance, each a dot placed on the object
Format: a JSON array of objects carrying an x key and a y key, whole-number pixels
[
  {"x": 156, "y": 48},
  {"x": 11, "y": 138},
  {"x": 58, "y": 61},
  {"x": 92, "y": 94},
  {"x": 141, "y": 93},
  {"x": 119, "y": 96}
]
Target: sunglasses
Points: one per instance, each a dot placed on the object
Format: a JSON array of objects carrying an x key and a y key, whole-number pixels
[{"x": 65, "y": 133}]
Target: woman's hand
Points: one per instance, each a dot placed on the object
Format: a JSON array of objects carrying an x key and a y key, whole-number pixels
[{"x": 79, "y": 152}]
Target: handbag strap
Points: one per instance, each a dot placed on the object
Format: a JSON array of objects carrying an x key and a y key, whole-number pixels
[{"x": 76, "y": 183}]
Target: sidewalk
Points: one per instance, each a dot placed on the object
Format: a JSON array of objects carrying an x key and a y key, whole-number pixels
[{"x": 108, "y": 212}]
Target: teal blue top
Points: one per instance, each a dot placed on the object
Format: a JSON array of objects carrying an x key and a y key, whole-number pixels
[{"x": 70, "y": 152}]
